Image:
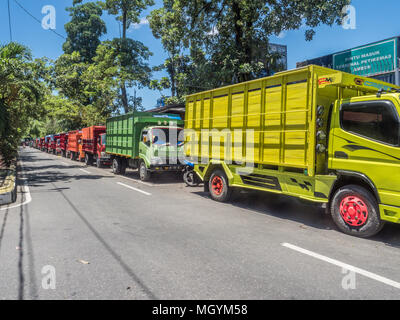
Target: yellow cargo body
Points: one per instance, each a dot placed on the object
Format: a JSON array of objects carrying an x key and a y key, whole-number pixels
[{"x": 280, "y": 112}]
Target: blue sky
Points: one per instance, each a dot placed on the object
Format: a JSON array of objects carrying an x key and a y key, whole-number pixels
[{"x": 374, "y": 21}]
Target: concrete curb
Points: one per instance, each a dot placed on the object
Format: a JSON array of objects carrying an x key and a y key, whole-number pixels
[{"x": 8, "y": 189}]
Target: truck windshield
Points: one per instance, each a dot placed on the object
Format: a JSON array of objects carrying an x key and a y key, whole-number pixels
[
  {"x": 103, "y": 139},
  {"x": 162, "y": 136}
]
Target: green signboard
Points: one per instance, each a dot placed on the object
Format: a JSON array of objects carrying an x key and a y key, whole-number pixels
[{"x": 380, "y": 57}]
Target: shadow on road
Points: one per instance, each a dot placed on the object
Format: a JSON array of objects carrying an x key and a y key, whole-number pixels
[{"x": 306, "y": 213}]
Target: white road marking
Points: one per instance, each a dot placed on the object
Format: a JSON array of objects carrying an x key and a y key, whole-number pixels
[
  {"x": 65, "y": 164},
  {"x": 138, "y": 190},
  {"x": 85, "y": 171},
  {"x": 346, "y": 266},
  {"x": 25, "y": 191},
  {"x": 135, "y": 180}
]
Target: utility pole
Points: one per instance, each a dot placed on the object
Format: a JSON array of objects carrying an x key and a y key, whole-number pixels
[{"x": 9, "y": 20}]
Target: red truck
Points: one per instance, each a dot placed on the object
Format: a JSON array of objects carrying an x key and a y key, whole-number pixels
[
  {"x": 41, "y": 144},
  {"x": 46, "y": 143},
  {"x": 62, "y": 144},
  {"x": 74, "y": 138},
  {"x": 94, "y": 146},
  {"x": 53, "y": 143}
]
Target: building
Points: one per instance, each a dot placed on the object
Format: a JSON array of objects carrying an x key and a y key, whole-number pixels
[{"x": 378, "y": 60}]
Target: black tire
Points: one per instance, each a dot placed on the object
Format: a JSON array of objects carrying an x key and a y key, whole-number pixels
[
  {"x": 144, "y": 174},
  {"x": 98, "y": 163},
  {"x": 88, "y": 159},
  {"x": 364, "y": 206},
  {"x": 123, "y": 166},
  {"x": 218, "y": 186},
  {"x": 116, "y": 166},
  {"x": 190, "y": 179}
]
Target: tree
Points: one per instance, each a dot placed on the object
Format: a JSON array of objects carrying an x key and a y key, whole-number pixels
[
  {"x": 127, "y": 12},
  {"x": 169, "y": 24},
  {"x": 229, "y": 39},
  {"x": 121, "y": 63},
  {"x": 21, "y": 93},
  {"x": 84, "y": 30}
]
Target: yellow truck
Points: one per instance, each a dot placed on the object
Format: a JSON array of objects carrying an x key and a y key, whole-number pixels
[{"x": 314, "y": 133}]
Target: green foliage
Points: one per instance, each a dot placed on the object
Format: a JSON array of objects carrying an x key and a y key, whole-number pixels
[
  {"x": 84, "y": 30},
  {"x": 21, "y": 94},
  {"x": 229, "y": 39},
  {"x": 128, "y": 12}
]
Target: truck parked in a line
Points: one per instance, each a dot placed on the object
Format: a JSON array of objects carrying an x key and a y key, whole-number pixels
[
  {"x": 146, "y": 141},
  {"x": 74, "y": 138},
  {"x": 313, "y": 133},
  {"x": 53, "y": 143},
  {"x": 62, "y": 144},
  {"x": 46, "y": 144},
  {"x": 93, "y": 146}
]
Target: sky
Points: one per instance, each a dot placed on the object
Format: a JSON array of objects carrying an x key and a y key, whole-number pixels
[{"x": 374, "y": 21}]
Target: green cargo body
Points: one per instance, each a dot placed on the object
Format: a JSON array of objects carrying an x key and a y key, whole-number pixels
[{"x": 123, "y": 132}]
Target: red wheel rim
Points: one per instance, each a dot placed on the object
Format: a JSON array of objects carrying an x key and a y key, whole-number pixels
[
  {"x": 354, "y": 211},
  {"x": 217, "y": 185}
]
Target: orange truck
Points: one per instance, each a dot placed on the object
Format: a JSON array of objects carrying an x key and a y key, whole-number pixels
[
  {"x": 73, "y": 150},
  {"x": 93, "y": 146}
]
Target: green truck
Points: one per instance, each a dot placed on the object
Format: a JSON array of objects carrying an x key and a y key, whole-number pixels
[
  {"x": 146, "y": 141},
  {"x": 313, "y": 133}
]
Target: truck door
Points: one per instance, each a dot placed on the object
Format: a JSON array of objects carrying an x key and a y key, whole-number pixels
[{"x": 364, "y": 140}]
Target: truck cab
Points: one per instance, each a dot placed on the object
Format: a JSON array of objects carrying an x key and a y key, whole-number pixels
[
  {"x": 364, "y": 152},
  {"x": 160, "y": 149},
  {"x": 102, "y": 158}
]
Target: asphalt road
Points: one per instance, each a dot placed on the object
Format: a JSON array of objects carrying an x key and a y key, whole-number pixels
[{"x": 79, "y": 232}]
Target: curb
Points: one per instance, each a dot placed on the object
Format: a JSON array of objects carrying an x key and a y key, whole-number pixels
[{"x": 8, "y": 190}]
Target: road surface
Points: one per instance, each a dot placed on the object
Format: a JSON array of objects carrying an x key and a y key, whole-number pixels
[{"x": 79, "y": 232}]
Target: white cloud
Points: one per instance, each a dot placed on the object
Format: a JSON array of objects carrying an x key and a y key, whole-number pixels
[
  {"x": 143, "y": 22},
  {"x": 281, "y": 35}
]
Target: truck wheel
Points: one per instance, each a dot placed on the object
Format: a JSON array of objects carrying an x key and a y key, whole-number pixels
[
  {"x": 123, "y": 166},
  {"x": 356, "y": 212},
  {"x": 116, "y": 166},
  {"x": 88, "y": 159},
  {"x": 144, "y": 174},
  {"x": 219, "y": 187},
  {"x": 98, "y": 163}
]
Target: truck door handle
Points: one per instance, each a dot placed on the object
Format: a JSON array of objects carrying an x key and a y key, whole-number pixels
[{"x": 341, "y": 155}]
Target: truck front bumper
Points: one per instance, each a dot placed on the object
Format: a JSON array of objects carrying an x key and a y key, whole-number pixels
[{"x": 166, "y": 167}]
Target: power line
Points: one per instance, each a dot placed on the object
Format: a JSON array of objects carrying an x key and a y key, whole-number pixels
[
  {"x": 36, "y": 19},
  {"x": 9, "y": 20}
]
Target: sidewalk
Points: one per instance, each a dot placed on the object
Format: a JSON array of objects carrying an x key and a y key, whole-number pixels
[{"x": 8, "y": 179}]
